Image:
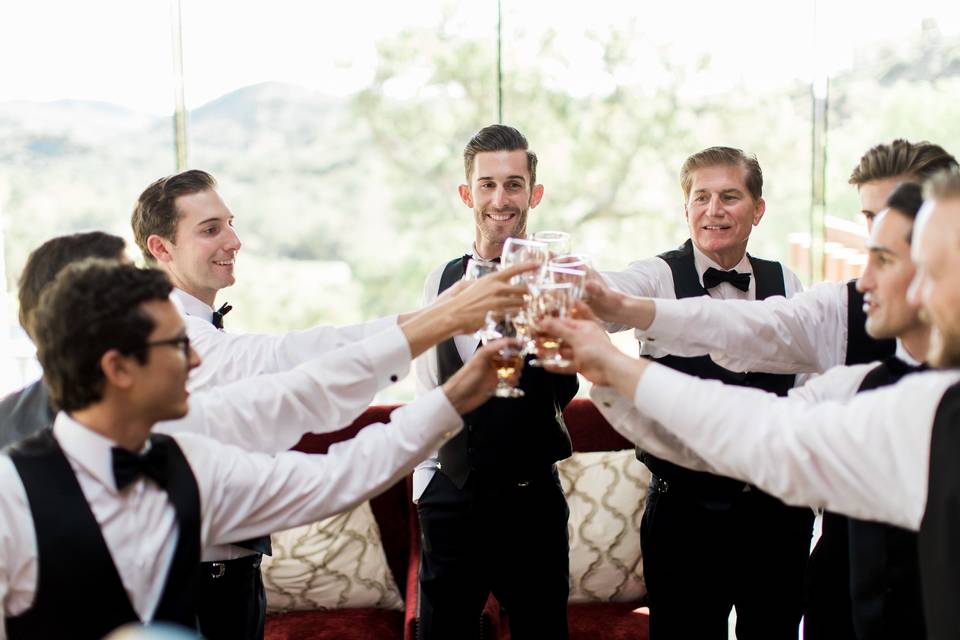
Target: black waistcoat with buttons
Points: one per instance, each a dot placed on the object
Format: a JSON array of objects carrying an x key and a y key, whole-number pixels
[
  {"x": 884, "y": 566},
  {"x": 940, "y": 527},
  {"x": 768, "y": 277},
  {"x": 507, "y": 437},
  {"x": 79, "y": 592},
  {"x": 861, "y": 348}
]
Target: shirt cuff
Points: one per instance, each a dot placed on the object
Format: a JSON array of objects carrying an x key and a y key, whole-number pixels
[
  {"x": 380, "y": 324},
  {"x": 610, "y": 404},
  {"x": 389, "y": 354},
  {"x": 667, "y": 317},
  {"x": 658, "y": 390},
  {"x": 434, "y": 416}
]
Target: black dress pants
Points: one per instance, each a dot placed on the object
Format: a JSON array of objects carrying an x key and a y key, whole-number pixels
[
  {"x": 232, "y": 603},
  {"x": 703, "y": 555},
  {"x": 495, "y": 535},
  {"x": 828, "y": 613}
]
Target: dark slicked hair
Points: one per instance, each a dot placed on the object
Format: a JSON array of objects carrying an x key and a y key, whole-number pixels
[
  {"x": 46, "y": 261},
  {"x": 92, "y": 307},
  {"x": 723, "y": 156},
  {"x": 918, "y": 160},
  {"x": 498, "y": 137},
  {"x": 156, "y": 212},
  {"x": 906, "y": 200}
]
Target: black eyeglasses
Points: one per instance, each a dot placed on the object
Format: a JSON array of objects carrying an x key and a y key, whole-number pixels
[{"x": 183, "y": 342}]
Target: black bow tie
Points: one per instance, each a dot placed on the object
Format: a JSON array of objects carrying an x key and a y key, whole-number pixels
[
  {"x": 467, "y": 258},
  {"x": 712, "y": 277},
  {"x": 128, "y": 466},
  {"x": 217, "y": 319},
  {"x": 899, "y": 368}
]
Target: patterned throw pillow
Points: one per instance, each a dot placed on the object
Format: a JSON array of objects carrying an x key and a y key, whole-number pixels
[
  {"x": 606, "y": 492},
  {"x": 336, "y": 563}
]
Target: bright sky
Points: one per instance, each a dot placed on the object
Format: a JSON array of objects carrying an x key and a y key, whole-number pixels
[{"x": 120, "y": 51}]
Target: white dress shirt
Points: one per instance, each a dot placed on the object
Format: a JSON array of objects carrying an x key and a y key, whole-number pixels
[
  {"x": 228, "y": 357},
  {"x": 425, "y": 368},
  {"x": 357, "y": 362},
  {"x": 242, "y": 495},
  {"x": 839, "y": 383},
  {"x": 803, "y": 334},
  {"x": 866, "y": 456},
  {"x": 652, "y": 277}
]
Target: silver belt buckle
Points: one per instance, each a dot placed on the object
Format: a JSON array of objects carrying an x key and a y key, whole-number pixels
[{"x": 217, "y": 570}]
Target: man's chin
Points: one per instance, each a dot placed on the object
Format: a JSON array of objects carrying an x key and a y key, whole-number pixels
[{"x": 944, "y": 350}]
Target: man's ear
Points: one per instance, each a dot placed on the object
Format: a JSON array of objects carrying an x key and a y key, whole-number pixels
[
  {"x": 761, "y": 209},
  {"x": 117, "y": 369},
  {"x": 159, "y": 248},
  {"x": 465, "y": 195},
  {"x": 536, "y": 195}
]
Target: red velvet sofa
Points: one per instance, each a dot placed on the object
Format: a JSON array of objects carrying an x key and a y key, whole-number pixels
[{"x": 396, "y": 517}]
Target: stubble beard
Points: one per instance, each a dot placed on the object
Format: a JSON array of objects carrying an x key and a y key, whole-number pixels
[{"x": 519, "y": 229}]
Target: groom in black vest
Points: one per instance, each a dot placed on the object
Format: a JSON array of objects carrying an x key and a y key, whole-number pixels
[
  {"x": 711, "y": 543},
  {"x": 492, "y": 514}
]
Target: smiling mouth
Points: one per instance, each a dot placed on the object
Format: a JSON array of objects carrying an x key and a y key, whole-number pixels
[
  {"x": 224, "y": 263},
  {"x": 715, "y": 227},
  {"x": 500, "y": 217}
]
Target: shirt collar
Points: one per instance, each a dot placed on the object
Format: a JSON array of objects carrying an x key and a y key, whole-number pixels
[
  {"x": 87, "y": 448},
  {"x": 703, "y": 263},
  {"x": 472, "y": 252},
  {"x": 192, "y": 306},
  {"x": 902, "y": 354}
]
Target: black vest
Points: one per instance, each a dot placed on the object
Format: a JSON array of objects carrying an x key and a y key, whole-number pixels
[
  {"x": 884, "y": 567},
  {"x": 79, "y": 592},
  {"x": 940, "y": 528},
  {"x": 768, "y": 277},
  {"x": 508, "y": 437},
  {"x": 861, "y": 348}
]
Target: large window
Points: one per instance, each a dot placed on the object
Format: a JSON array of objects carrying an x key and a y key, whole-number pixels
[{"x": 337, "y": 138}]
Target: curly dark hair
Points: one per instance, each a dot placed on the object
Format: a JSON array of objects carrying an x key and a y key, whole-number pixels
[
  {"x": 46, "y": 261},
  {"x": 91, "y": 307},
  {"x": 156, "y": 213}
]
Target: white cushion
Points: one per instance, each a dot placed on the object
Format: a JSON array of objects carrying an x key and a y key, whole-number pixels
[
  {"x": 606, "y": 491},
  {"x": 332, "y": 564}
]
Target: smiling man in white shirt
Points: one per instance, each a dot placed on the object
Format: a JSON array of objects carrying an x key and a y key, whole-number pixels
[
  {"x": 754, "y": 556},
  {"x": 183, "y": 226},
  {"x": 887, "y": 455},
  {"x": 808, "y": 333},
  {"x": 74, "y": 505}
]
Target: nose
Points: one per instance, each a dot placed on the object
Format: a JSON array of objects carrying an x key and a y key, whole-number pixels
[
  {"x": 866, "y": 282},
  {"x": 499, "y": 197},
  {"x": 715, "y": 206},
  {"x": 915, "y": 290},
  {"x": 233, "y": 240},
  {"x": 193, "y": 360}
]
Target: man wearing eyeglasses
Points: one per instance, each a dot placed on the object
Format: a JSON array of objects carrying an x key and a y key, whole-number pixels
[{"x": 102, "y": 499}]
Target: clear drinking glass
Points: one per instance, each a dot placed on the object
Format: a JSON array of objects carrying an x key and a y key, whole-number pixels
[
  {"x": 552, "y": 300},
  {"x": 576, "y": 277},
  {"x": 474, "y": 271},
  {"x": 508, "y": 361},
  {"x": 520, "y": 251},
  {"x": 558, "y": 242}
]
